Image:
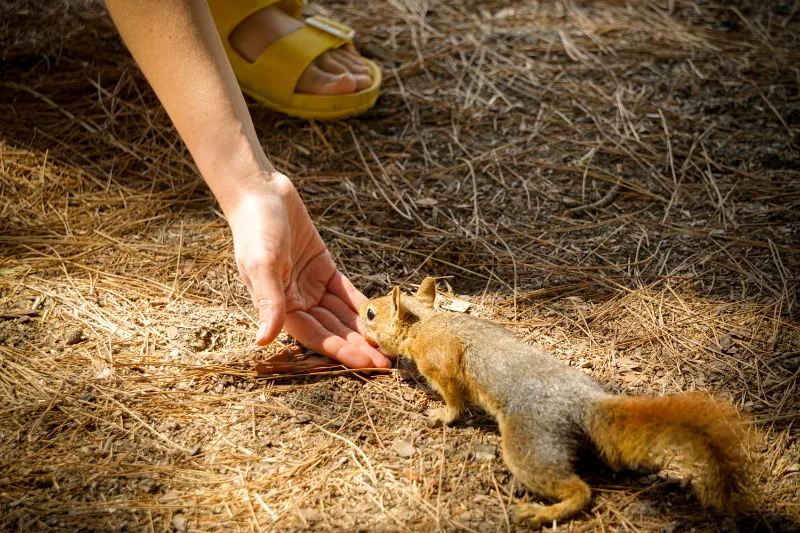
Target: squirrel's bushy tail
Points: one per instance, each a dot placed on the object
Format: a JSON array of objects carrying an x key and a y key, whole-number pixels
[{"x": 632, "y": 432}]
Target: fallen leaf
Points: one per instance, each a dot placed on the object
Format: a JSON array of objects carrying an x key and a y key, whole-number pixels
[
  {"x": 458, "y": 306},
  {"x": 290, "y": 360},
  {"x": 412, "y": 476},
  {"x": 310, "y": 515},
  {"x": 426, "y": 202},
  {"x": 403, "y": 448}
]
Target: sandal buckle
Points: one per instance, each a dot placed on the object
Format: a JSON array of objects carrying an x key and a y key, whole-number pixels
[{"x": 332, "y": 27}]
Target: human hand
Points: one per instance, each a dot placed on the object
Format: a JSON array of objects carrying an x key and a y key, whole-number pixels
[{"x": 292, "y": 278}]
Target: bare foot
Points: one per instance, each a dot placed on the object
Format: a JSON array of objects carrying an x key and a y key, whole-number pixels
[{"x": 339, "y": 71}]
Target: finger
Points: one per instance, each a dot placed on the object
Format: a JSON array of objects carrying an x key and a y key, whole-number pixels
[
  {"x": 269, "y": 298},
  {"x": 341, "y": 287},
  {"x": 330, "y": 322},
  {"x": 343, "y": 312},
  {"x": 309, "y": 332}
]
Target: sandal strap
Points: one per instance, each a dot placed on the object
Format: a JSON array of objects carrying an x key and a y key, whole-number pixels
[
  {"x": 230, "y": 13},
  {"x": 284, "y": 61}
]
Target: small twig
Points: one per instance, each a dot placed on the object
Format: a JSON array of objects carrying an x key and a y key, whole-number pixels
[{"x": 605, "y": 201}]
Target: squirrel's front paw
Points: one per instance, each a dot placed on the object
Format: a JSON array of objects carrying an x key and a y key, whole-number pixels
[{"x": 442, "y": 416}]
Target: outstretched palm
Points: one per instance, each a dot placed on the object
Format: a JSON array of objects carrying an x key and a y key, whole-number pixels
[{"x": 293, "y": 280}]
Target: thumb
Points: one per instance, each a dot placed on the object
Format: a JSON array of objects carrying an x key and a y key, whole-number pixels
[{"x": 270, "y": 300}]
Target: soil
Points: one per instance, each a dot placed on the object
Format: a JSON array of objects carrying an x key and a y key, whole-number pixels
[{"x": 130, "y": 394}]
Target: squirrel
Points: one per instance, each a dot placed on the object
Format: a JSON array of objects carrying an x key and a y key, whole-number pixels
[{"x": 547, "y": 410}]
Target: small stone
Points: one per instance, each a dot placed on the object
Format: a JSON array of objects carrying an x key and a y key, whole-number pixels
[
  {"x": 724, "y": 342},
  {"x": 5, "y": 481},
  {"x": 648, "y": 480},
  {"x": 87, "y": 396},
  {"x": 172, "y": 332},
  {"x": 179, "y": 523},
  {"x": 148, "y": 485},
  {"x": 73, "y": 336},
  {"x": 403, "y": 448},
  {"x": 195, "y": 451},
  {"x": 198, "y": 345},
  {"x": 587, "y": 364},
  {"x": 485, "y": 453},
  {"x": 301, "y": 418},
  {"x": 310, "y": 515},
  {"x": 24, "y": 319},
  {"x": 486, "y": 448},
  {"x": 433, "y": 420}
]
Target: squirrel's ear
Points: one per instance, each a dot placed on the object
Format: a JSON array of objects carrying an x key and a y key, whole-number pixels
[
  {"x": 426, "y": 293},
  {"x": 397, "y": 312}
]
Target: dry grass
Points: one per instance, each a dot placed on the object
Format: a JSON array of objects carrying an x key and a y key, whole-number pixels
[{"x": 618, "y": 182}]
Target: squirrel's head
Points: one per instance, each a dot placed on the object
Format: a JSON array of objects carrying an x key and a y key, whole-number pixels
[{"x": 388, "y": 319}]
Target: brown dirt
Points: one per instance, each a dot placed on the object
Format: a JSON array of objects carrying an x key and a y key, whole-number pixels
[{"x": 129, "y": 395}]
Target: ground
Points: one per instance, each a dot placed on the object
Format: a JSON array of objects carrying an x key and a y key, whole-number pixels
[{"x": 617, "y": 182}]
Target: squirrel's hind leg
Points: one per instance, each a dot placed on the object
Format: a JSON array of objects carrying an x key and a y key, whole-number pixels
[
  {"x": 572, "y": 491},
  {"x": 543, "y": 465}
]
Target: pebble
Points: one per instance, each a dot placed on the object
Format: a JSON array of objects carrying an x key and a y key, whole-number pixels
[
  {"x": 198, "y": 345},
  {"x": 648, "y": 480},
  {"x": 148, "y": 485},
  {"x": 301, "y": 418},
  {"x": 87, "y": 396},
  {"x": 485, "y": 452},
  {"x": 725, "y": 342},
  {"x": 310, "y": 515},
  {"x": 403, "y": 448},
  {"x": 179, "y": 523},
  {"x": 73, "y": 336},
  {"x": 195, "y": 451}
]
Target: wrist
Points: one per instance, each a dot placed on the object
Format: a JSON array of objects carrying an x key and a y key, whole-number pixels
[{"x": 237, "y": 173}]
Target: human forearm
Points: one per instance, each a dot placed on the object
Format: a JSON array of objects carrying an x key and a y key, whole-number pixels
[{"x": 177, "y": 47}]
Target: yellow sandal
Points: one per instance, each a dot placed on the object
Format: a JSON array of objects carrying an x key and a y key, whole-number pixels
[{"x": 272, "y": 78}]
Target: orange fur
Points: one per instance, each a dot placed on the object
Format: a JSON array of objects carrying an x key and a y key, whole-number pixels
[{"x": 632, "y": 432}]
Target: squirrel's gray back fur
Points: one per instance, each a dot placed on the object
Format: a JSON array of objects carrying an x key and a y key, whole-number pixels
[{"x": 527, "y": 382}]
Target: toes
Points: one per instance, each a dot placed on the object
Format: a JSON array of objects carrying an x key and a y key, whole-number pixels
[
  {"x": 314, "y": 80},
  {"x": 332, "y": 64},
  {"x": 357, "y": 67},
  {"x": 353, "y": 62},
  {"x": 339, "y": 62},
  {"x": 351, "y": 48}
]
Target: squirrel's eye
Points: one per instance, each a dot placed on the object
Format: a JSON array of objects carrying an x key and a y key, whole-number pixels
[{"x": 370, "y": 314}]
